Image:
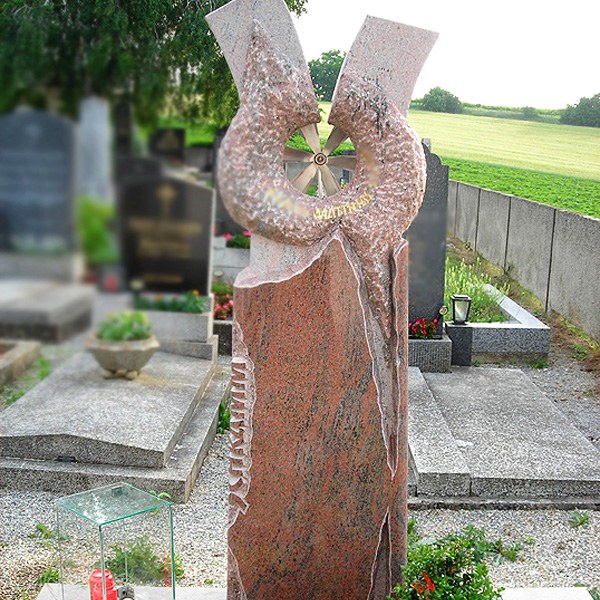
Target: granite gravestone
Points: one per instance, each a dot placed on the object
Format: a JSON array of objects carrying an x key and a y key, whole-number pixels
[
  {"x": 37, "y": 183},
  {"x": 166, "y": 234},
  {"x": 137, "y": 168},
  {"x": 95, "y": 149},
  {"x": 123, "y": 120},
  {"x": 427, "y": 239},
  {"x": 319, "y": 452},
  {"x": 168, "y": 144}
]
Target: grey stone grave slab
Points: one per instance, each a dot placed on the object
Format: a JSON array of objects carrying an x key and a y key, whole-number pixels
[
  {"x": 166, "y": 234},
  {"x": 515, "y": 442},
  {"x": 95, "y": 144},
  {"x": 137, "y": 168},
  {"x": 427, "y": 242},
  {"x": 37, "y": 183},
  {"x": 177, "y": 478},
  {"x": 77, "y": 413},
  {"x": 123, "y": 120},
  {"x": 15, "y": 357},
  {"x": 46, "y": 311},
  {"x": 439, "y": 466}
]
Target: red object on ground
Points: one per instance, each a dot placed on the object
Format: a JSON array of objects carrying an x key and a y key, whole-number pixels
[{"x": 96, "y": 585}]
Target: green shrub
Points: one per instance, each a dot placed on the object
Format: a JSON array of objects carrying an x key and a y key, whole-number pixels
[
  {"x": 50, "y": 575},
  {"x": 137, "y": 562},
  {"x": 190, "y": 302},
  {"x": 466, "y": 279},
  {"x": 224, "y": 418},
  {"x": 439, "y": 100},
  {"x": 239, "y": 240},
  {"x": 94, "y": 219},
  {"x": 124, "y": 326}
]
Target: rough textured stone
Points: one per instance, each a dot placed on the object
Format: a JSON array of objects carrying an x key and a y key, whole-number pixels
[
  {"x": 494, "y": 210},
  {"x": 575, "y": 270},
  {"x": 69, "y": 268},
  {"x": 515, "y": 442},
  {"x": 440, "y": 468},
  {"x": 530, "y": 234},
  {"x": 467, "y": 207},
  {"x": 75, "y": 412},
  {"x": 320, "y": 349}
]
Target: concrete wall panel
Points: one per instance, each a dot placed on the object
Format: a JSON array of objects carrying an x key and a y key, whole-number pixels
[
  {"x": 467, "y": 201},
  {"x": 493, "y": 226},
  {"x": 451, "y": 224},
  {"x": 575, "y": 272},
  {"x": 530, "y": 244}
]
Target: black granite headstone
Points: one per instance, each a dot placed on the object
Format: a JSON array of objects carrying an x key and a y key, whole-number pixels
[
  {"x": 224, "y": 221},
  {"x": 166, "y": 234},
  {"x": 168, "y": 143},
  {"x": 137, "y": 168},
  {"x": 123, "y": 119},
  {"x": 427, "y": 243},
  {"x": 37, "y": 182}
]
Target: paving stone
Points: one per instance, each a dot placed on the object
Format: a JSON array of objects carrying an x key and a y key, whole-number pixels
[
  {"x": 576, "y": 593},
  {"x": 75, "y": 412},
  {"x": 440, "y": 468},
  {"x": 515, "y": 442}
]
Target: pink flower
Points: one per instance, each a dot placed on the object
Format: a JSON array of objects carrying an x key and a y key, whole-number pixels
[
  {"x": 247, "y": 233},
  {"x": 227, "y": 236}
]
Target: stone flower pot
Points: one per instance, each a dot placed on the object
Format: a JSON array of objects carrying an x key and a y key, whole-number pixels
[{"x": 122, "y": 359}]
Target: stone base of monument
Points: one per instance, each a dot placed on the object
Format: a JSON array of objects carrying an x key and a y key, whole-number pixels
[
  {"x": 52, "y": 591},
  {"x": 229, "y": 262},
  {"x": 521, "y": 337},
  {"x": 489, "y": 437},
  {"x": 76, "y": 430},
  {"x": 68, "y": 268},
  {"x": 44, "y": 310},
  {"x": 15, "y": 357},
  {"x": 431, "y": 356}
]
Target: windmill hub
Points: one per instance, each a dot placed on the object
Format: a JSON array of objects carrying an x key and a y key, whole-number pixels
[{"x": 320, "y": 159}]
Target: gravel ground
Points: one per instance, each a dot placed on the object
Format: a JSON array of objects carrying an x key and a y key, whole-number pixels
[{"x": 553, "y": 554}]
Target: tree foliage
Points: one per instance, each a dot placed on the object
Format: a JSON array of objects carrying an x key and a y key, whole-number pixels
[
  {"x": 585, "y": 112},
  {"x": 324, "y": 72},
  {"x": 438, "y": 99},
  {"x": 160, "y": 54}
]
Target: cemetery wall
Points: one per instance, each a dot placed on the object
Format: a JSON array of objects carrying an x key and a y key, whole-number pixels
[{"x": 552, "y": 252}]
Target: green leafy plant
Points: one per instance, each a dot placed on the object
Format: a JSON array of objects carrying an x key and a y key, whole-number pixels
[
  {"x": 224, "y": 418},
  {"x": 468, "y": 279},
  {"x": 94, "y": 220},
  {"x": 12, "y": 395},
  {"x": 239, "y": 240},
  {"x": 540, "y": 363},
  {"x": 44, "y": 367},
  {"x": 50, "y": 575},
  {"x": 44, "y": 532},
  {"x": 124, "y": 326},
  {"x": 579, "y": 519},
  {"x": 189, "y": 302},
  {"x": 452, "y": 568},
  {"x": 138, "y": 562},
  {"x": 580, "y": 352},
  {"x": 423, "y": 329}
]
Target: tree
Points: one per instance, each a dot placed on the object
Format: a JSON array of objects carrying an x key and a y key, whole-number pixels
[
  {"x": 325, "y": 71},
  {"x": 586, "y": 112},
  {"x": 440, "y": 100},
  {"x": 156, "y": 53}
]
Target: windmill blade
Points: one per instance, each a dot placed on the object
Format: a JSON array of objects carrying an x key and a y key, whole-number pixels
[
  {"x": 329, "y": 181},
  {"x": 343, "y": 162},
  {"x": 336, "y": 137},
  {"x": 311, "y": 135},
  {"x": 303, "y": 179},
  {"x": 294, "y": 154}
]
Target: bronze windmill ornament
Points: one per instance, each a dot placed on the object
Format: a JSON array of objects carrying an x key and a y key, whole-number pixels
[{"x": 320, "y": 160}]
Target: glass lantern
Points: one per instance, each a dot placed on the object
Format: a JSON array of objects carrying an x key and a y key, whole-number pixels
[{"x": 115, "y": 542}]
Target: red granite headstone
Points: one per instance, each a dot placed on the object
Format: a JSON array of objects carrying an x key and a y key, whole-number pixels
[{"x": 318, "y": 471}]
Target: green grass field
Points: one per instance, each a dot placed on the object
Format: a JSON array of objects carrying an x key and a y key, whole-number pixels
[{"x": 554, "y": 164}]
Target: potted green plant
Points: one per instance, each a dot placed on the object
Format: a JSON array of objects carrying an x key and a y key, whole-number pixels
[{"x": 123, "y": 343}]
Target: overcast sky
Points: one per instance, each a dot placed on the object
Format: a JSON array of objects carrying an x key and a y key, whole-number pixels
[{"x": 509, "y": 53}]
